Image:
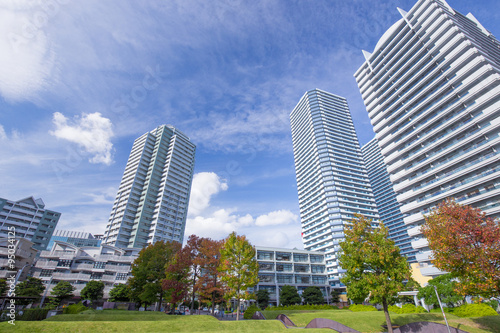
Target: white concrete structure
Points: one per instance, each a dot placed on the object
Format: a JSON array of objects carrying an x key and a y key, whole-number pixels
[
  {"x": 431, "y": 88},
  {"x": 24, "y": 255},
  {"x": 152, "y": 200},
  {"x": 79, "y": 265},
  {"x": 298, "y": 268},
  {"x": 332, "y": 181}
]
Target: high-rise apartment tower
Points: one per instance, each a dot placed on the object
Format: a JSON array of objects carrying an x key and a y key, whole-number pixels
[
  {"x": 431, "y": 88},
  {"x": 331, "y": 176},
  {"x": 152, "y": 200},
  {"x": 385, "y": 198}
]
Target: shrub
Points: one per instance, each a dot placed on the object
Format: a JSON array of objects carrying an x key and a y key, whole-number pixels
[
  {"x": 33, "y": 314},
  {"x": 361, "y": 307},
  {"x": 250, "y": 311},
  {"x": 474, "y": 310},
  {"x": 493, "y": 303},
  {"x": 305, "y": 307},
  {"x": 407, "y": 308},
  {"x": 74, "y": 308}
]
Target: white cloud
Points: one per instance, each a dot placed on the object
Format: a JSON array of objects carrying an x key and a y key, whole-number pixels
[
  {"x": 27, "y": 60},
  {"x": 3, "y": 135},
  {"x": 204, "y": 186},
  {"x": 91, "y": 132},
  {"x": 279, "y": 217}
]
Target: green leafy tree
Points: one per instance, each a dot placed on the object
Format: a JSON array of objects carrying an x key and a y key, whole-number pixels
[
  {"x": 239, "y": 267},
  {"x": 31, "y": 287},
  {"x": 373, "y": 264},
  {"x": 148, "y": 271},
  {"x": 63, "y": 290},
  {"x": 313, "y": 295},
  {"x": 446, "y": 287},
  {"x": 3, "y": 287},
  {"x": 289, "y": 296},
  {"x": 119, "y": 293},
  {"x": 262, "y": 298},
  {"x": 93, "y": 291},
  {"x": 466, "y": 243},
  {"x": 335, "y": 296}
]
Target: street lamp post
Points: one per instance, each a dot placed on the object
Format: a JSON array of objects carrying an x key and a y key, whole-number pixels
[
  {"x": 46, "y": 290},
  {"x": 441, "y": 306}
]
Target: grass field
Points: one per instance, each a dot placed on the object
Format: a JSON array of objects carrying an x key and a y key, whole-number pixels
[
  {"x": 131, "y": 321},
  {"x": 372, "y": 321}
]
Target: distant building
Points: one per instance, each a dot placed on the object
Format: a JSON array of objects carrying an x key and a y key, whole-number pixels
[
  {"x": 30, "y": 219},
  {"x": 332, "y": 182},
  {"x": 385, "y": 197},
  {"x": 24, "y": 256},
  {"x": 298, "y": 268},
  {"x": 152, "y": 200},
  {"x": 79, "y": 265},
  {"x": 432, "y": 91},
  {"x": 77, "y": 238}
]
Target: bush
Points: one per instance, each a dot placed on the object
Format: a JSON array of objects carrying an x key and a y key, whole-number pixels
[
  {"x": 33, "y": 314},
  {"x": 474, "y": 310},
  {"x": 407, "y": 308},
  {"x": 305, "y": 307},
  {"x": 250, "y": 311},
  {"x": 493, "y": 303},
  {"x": 361, "y": 307},
  {"x": 74, "y": 308}
]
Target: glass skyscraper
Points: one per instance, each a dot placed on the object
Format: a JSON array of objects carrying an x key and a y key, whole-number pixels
[
  {"x": 385, "y": 198},
  {"x": 152, "y": 200},
  {"x": 331, "y": 177},
  {"x": 431, "y": 88}
]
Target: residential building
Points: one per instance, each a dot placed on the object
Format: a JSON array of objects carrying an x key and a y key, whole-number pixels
[
  {"x": 24, "y": 255},
  {"x": 431, "y": 88},
  {"x": 77, "y": 238},
  {"x": 385, "y": 198},
  {"x": 79, "y": 265},
  {"x": 298, "y": 268},
  {"x": 331, "y": 177},
  {"x": 30, "y": 220},
  {"x": 152, "y": 200}
]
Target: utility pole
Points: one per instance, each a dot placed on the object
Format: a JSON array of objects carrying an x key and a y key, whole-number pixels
[{"x": 441, "y": 306}]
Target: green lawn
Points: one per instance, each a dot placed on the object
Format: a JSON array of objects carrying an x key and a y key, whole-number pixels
[
  {"x": 132, "y": 321},
  {"x": 372, "y": 321}
]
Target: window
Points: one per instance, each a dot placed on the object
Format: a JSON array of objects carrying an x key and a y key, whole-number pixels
[
  {"x": 263, "y": 255},
  {"x": 282, "y": 256},
  {"x": 99, "y": 264},
  {"x": 301, "y": 268},
  {"x": 46, "y": 273},
  {"x": 317, "y": 269},
  {"x": 121, "y": 276},
  {"x": 284, "y": 267},
  {"x": 266, "y": 266},
  {"x": 300, "y": 257},
  {"x": 283, "y": 278},
  {"x": 96, "y": 276},
  {"x": 301, "y": 279},
  {"x": 316, "y": 258},
  {"x": 265, "y": 278},
  {"x": 64, "y": 262},
  {"x": 318, "y": 280}
]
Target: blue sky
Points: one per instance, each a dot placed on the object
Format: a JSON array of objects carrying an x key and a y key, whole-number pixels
[{"x": 80, "y": 80}]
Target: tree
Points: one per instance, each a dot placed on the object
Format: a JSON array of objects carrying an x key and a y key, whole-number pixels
[
  {"x": 63, "y": 290},
  {"x": 177, "y": 277},
  {"x": 239, "y": 267},
  {"x": 335, "y": 296},
  {"x": 466, "y": 243},
  {"x": 119, "y": 293},
  {"x": 262, "y": 298},
  {"x": 289, "y": 296},
  {"x": 3, "y": 287},
  {"x": 373, "y": 264},
  {"x": 313, "y": 295},
  {"x": 209, "y": 284},
  {"x": 93, "y": 291},
  {"x": 193, "y": 247},
  {"x": 31, "y": 287},
  {"x": 446, "y": 289},
  {"x": 148, "y": 271}
]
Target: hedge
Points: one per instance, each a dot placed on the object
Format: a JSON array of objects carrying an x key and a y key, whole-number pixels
[
  {"x": 250, "y": 311},
  {"x": 304, "y": 307},
  {"x": 74, "y": 308},
  {"x": 361, "y": 307},
  {"x": 474, "y": 310},
  {"x": 407, "y": 308}
]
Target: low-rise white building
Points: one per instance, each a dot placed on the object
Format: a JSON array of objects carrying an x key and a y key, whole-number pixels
[
  {"x": 79, "y": 265},
  {"x": 297, "y": 268},
  {"x": 23, "y": 256}
]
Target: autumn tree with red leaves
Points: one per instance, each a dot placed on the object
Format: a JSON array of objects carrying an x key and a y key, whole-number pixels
[
  {"x": 466, "y": 243},
  {"x": 209, "y": 283},
  {"x": 177, "y": 281},
  {"x": 193, "y": 247}
]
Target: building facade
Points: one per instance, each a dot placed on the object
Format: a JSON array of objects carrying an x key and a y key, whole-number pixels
[
  {"x": 431, "y": 88},
  {"x": 387, "y": 205},
  {"x": 29, "y": 219},
  {"x": 77, "y": 238},
  {"x": 298, "y": 268},
  {"x": 152, "y": 200},
  {"x": 79, "y": 265},
  {"x": 331, "y": 177},
  {"x": 24, "y": 255}
]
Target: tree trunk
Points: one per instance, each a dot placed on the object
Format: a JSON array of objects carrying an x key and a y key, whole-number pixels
[
  {"x": 158, "y": 308},
  {"x": 238, "y": 305},
  {"x": 192, "y": 299},
  {"x": 387, "y": 317}
]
